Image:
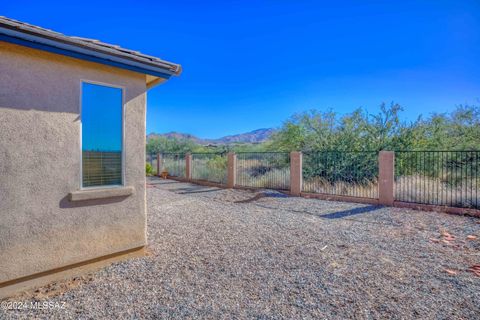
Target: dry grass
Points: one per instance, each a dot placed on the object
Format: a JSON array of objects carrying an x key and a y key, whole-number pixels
[
  {"x": 421, "y": 189},
  {"x": 273, "y": 179},
  {"x": 174, "y": 167},
  {"x": 212, "y": 168},
  {"x": 322, "y": 185},
  {"x": 270, "y": 171}
]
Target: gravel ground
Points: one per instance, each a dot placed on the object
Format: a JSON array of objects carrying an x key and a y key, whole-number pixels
[{"x": 239, "y": 254}]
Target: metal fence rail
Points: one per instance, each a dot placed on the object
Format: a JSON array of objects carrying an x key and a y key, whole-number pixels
[
  {"x": 449, "y": 178},
  {"x": 444, "y": 178},
  {"x": 263, "y": 170},
  {"x": 173, "y": 163},
  {"x": 343, "y": 173},
  {"x": 210, "y": 167}
]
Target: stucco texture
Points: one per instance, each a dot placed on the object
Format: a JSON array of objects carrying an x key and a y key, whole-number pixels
[{"x": 40, "y": 229}]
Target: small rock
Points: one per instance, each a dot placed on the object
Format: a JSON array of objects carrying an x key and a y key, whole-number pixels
[{"x": 451, "y": 272}]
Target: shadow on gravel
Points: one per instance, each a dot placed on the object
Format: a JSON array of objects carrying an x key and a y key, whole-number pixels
[
  {"x": 265, "y": 194},
  {"x": 188, "y": 189},
  {"x": 348, "y": 213},
  {"x": 198, "y": 191},
  {"x": 163, "y": 182}
]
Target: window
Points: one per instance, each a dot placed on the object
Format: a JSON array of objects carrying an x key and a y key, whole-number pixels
[{"x": 102, "y": 135}]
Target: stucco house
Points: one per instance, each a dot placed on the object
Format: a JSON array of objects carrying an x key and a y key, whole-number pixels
[{"x": 72, "y": 153}]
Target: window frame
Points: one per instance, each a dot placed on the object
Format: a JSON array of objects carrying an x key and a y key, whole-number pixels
[{"x": 123, "y": 184}]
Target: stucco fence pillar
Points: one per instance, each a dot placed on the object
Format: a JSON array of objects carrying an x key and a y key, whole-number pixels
[
  {"x": 159, "y": 164},
  {"x": 386, "y": 179},
  {"x": 188, "y": 166},
  {"x": 231, "y": 170},
  {"x": 296, "y": 173}
]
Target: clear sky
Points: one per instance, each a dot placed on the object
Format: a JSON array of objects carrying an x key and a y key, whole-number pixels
[
  {"x": 251, "y": 64},
  {"x": 101, "y": 118}
]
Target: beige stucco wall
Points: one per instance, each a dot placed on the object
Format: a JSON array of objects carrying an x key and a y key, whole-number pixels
[{"x": 40, "y": 229}]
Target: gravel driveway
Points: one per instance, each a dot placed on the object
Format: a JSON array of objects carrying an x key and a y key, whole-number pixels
[{"x": 239, "y": 254}]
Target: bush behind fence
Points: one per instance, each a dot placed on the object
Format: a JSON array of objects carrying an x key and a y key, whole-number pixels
[
  {"x": 151, "y": 158},
  {"x": 211, "y": 167},
  {"x": 450, "y": 178},
  {"x": 263, "y": 170},
  {"x": 173, "y": 163},
  {"x": 352, "y": 174}
]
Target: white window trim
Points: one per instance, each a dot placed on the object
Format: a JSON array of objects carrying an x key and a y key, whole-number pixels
[{"x": 82, "y": 81}]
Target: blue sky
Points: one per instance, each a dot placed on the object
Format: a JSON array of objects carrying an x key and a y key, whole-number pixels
[
  {"x": 101, "y": 118},
  {"x": 252, "y": 64}
]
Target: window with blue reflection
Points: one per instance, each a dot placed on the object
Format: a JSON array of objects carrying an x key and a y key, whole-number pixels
[{"x": 102, "y": 117}]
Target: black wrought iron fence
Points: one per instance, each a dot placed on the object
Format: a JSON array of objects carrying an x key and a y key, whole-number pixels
[
  {"x": 344, "y": 173},
  {"x": 210, "y": 167},
  {"x": 173, "y": 163},
  {"x": 450, "y": 178},
  {"x": 263, "y": 170}
]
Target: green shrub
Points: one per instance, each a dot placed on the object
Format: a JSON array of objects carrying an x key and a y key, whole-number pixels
[{"x": 148, "y": 169}]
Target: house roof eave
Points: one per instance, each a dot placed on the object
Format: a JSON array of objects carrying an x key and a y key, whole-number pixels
[{"x": 86, "y": 49}]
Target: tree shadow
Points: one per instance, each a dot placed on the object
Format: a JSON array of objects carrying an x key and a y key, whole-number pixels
[
  {"x": 332, "y": 215},
  {"x": 350, "y": 212},
  {"x": 198, "y": 191},
  {"x": 265, "y": 194}
]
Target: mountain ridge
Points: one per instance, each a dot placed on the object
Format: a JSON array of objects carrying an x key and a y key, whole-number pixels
[{"x": 254, "y": 136}]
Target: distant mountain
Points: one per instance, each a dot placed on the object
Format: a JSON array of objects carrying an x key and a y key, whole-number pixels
[
  {"x": 255, "y": 136},
  {"x": 177, "y": 135}
]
